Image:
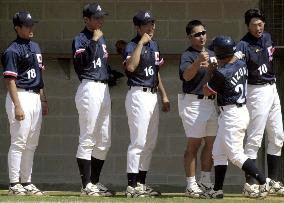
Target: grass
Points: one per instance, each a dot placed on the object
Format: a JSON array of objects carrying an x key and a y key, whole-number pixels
[{"x": 71, "y": 197}]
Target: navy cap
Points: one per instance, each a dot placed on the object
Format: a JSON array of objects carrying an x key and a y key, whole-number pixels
[
  {"x": 142, "y": 18},
  {"x": 93, "y": 9},
  {"x": 23, "y": 18}
]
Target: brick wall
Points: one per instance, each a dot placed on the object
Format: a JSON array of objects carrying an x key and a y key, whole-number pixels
[{"x": 59, "y": 21}]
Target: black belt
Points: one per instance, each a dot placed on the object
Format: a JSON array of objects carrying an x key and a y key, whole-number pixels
[
  {"x": 147, "y": 89},
  {"x": 33, "y": 90},
  {"x": 101, "y": 81},
  {"x": 271, "y": 82},
  {"x": 212, "y": 97},
  {"x": 237, "y": 105}
]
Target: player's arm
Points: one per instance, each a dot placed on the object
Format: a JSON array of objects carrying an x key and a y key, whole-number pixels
[
  {"x": 83, "y": 55},
  {"x": 133, "y": 61},
  {"x": 12, "y": 89},
  {"x": 192, "y": 68},
  {"x": 163, "y": 94},
  {"x": 214, "y": 85},
  {"x": 44, "y": 104}
]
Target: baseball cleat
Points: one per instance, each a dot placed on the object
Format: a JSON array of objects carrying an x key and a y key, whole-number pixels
[
  {"x": 149, "y": 190},
  {"x": 104, "y": 191},
  {"x": 205, "y": 186},
  {"x": 277, "y": 188},
  {"x": 194, "y": 191},
  {"x": 212, "y": 194},
  {"x": 17, "y": 189},
  {"x": 31, "y": 189},
  {"x": 139, "y": 191},
  {"x": 251, "y": 191},
  {"x": 265, "y": 188}
]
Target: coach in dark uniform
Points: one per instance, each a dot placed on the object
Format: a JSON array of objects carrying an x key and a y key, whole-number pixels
[
  {"x": 25, "y": 103},
  {"x": 229, "y": 82},
  {"x": 92, "y": 100},
  {"x": 262, "y": 99},
  {"x": 142, "y": 62},
  {"x": 198, "y": 112}
]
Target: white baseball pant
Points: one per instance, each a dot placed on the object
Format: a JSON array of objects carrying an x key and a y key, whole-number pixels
[
  {"x": 94, "y": 108},
  {"x": 143, "y": 119},
  {"x": 199, "y": 116},
  {"x": 24, "y": 135},
  {"x": 265, "y": 114},
  {"x": 232, "y": 122}
]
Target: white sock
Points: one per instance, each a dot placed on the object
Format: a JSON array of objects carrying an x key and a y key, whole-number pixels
[
  {"x": 190, "y": 181},
  {"x": 205, "y": 177}
]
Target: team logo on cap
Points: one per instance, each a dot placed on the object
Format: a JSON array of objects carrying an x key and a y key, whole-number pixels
[
  {"x": 147, "y": 15},
  {"x": 99, "y": 8},
  {"x": 29, "y": 16}
]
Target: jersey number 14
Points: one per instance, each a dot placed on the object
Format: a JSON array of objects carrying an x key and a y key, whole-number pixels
[{"x": 97, "y": 63}]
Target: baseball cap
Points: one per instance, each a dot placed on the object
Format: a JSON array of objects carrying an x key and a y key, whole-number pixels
[
  {"x": 93, "y": 9},
  {"x": 142, "y": 18},
  {"x": 23, "y": 18}
]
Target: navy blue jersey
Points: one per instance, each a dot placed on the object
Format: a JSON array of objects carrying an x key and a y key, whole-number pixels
[
  {"x": 23, "y": 60},
  {"x": 146, "y": 74},
  {"x": 90, "y": 57},
  {"x": 230, "y": 83},
  {"x": 195, "y": 85},
  {"x": 258, "y": 55}
]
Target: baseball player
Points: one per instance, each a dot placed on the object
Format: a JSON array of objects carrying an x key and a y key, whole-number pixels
[
  {"x": 25, "y": 103},
  {"x": 142, "y": 62},
  {"x": 229, "y": 82},
  {"x": 92, "y": 100},
  {"x": 262, "y": 98},
  {"x": 198, "y": 112}
]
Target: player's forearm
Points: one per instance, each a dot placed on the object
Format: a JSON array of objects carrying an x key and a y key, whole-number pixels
[
  {"x": 87, "y": 56},
  {"x": 12, "y": 89},
  {"x": 133, "y": 61},
  {"x": 161, "y": 89},
  {"x": 42, "y": 96},
  {"x": 191, "y": 70}
]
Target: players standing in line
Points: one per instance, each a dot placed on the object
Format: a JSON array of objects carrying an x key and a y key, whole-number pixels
[
  {"x": 142, "y": 62},
  {"x": 25, "y": 103},
  {"x": 92, "y": 100},
  {"x": 262, "y": 99},
  {"x": 229, "y": 82},
  {"x": 198, "y": 112}
]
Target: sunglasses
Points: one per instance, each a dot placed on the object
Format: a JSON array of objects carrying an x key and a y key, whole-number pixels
[{"x": 198, "y": 34}]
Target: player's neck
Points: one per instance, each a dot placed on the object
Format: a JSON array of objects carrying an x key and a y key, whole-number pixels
[
  {"x": 227, "y": 60},
  {"x": 198, "y": 48}
]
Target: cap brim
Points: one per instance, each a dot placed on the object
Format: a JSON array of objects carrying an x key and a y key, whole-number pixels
[
  {"x": 146, "y": 21},
  {"x": 30, "y": 23},
  {"x": 100, "y": 14}
]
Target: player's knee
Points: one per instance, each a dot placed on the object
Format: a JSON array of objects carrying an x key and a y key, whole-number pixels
[{"x": 18, "y": 146}]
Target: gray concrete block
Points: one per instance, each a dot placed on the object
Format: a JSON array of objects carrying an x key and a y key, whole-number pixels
[
  {"x": 196, "y": 10},
  {"x": 53, "y": 10},
  {"x": 35, "y": 8},
  {"x": 164, "y": 10},
  {"x": 126, "y": 10}
]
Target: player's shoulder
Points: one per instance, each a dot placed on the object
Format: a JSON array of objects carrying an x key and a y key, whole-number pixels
[
  {"x": 188, "y": 53},
  {"x": 80, "y": 37},
  {"x": 34, "y": 44},
  {"x": 267, "y": 36},
  {"x": 12, "y": 48}
]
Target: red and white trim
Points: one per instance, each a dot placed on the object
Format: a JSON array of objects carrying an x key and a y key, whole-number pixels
[
  {"x": 124, "y": 62},
  {"x": 10, "y": 73},
  {"x": 210, "y": 89},
  {"x": 78, "y": 51}
]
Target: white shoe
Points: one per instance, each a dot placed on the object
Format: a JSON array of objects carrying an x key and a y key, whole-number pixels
[
  {"x": 31, "y": 189},
  {"x": 17, "y": 189},
  {"x": 276, "y": 188},
  {"x": 149, "y": 190},
  {"x": 90, "y": 190},
  {"x": 212, "y": 194},
  {"x": 251, "y": 191},
  {"x": 205, "y": 186},
  {"x": 104, "y": 191},
  {"x": 139, "y": 191},
  {"x": 194, "y": 191},
  {"x": 265, "y": 188}
]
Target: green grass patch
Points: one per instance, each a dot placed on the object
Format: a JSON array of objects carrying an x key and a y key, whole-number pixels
[{"x": 71, "y": 197}]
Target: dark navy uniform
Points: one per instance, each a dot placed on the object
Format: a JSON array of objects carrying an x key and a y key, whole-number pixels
[
  {"x": 195, "y": 85},
  {"x": 90, "y": 57},
  {"x": 230, "y": 83},
  {"x": 262, "y": 98},
  {"x": 23, "y": 60},
  {"x": 146, "y": 74},
  {"x": 258, "y": 55}
]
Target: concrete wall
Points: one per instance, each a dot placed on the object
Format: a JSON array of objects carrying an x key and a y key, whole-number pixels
[{"x": 59, "y": 21}]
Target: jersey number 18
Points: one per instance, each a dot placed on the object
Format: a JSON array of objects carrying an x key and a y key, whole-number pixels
[{"x": 31, "y": 74}]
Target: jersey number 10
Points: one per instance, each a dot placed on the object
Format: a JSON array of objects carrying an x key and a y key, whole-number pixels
[{"x": 262, "y": 69}]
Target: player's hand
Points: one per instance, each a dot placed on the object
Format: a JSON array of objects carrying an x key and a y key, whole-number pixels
[
  {"x": 44, "y": 108},
  {"x": 166, "y": 107},
  {"x": 97, "y": 34},
  {"x": 19, "y": 113},
  {"x": 145, "y": 39},
  {"x": 239, "y": 55},
  {"x": 203, "y": 58}
]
